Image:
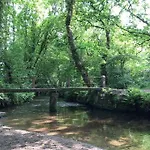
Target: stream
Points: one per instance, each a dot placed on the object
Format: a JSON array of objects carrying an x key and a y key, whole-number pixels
[{"x": 105, "y": 129}]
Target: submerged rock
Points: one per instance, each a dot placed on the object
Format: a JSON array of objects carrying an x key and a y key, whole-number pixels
[
  {"x": 68, "y": 104},
  {"x": 2, "y": 114}
]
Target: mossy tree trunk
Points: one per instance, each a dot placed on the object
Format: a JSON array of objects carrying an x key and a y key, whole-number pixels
[{"x": 75, "y": 56}]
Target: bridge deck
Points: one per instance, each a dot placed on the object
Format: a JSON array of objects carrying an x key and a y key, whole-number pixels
[
  {"x": 20, "y": 90},
  {"x": 13, "y": 90}
]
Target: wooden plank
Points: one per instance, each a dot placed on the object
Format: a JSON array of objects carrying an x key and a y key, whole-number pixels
[
  {"x": 15, "y": 90},
  {"x": 20, "y": 90}
]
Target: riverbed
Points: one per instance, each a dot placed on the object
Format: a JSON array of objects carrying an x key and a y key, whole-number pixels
[{"x": 105, "y": 129}]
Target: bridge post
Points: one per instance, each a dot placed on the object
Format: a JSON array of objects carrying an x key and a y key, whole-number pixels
[
  {"x": 53, "y": 101},
  {"x": 33, "y": 82},
  {"x": 68, "y": 82},
  {"x": 103, "y": 81}
]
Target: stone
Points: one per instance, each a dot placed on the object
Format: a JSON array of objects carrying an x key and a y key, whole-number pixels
[{"x": 2, "y": 114}]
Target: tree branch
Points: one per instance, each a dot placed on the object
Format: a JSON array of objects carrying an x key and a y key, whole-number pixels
[
  {"x": 135, "y": 15},
  {"x": 134, "y": 32}
]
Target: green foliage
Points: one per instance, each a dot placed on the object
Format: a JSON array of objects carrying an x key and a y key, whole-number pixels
[
  {"x": 4, "y": 101},
  {"x": 138, "y": 98},
  {"x": 145, "y": 142},
  {"x": 1, "y": 84},
  {"x": 20, "y": 98},
  {"x": 33, "y": 43},
  {"x": 134, "y": 95},
  {"x": 17, "y": 98}
]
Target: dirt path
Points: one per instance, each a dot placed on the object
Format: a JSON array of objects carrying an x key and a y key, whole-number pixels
[{"x": 11, "y": 139}]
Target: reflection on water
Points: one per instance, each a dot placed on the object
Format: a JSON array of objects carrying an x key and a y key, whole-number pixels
[{"x": 112, "y": 131}]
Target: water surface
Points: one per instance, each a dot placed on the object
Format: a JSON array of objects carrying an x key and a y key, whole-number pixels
[{"x": 105, "y": 129}]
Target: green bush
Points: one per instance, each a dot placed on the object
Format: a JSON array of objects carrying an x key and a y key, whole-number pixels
[
  {"x": 15, "y": 99},
  {"x": 1, "y": 84},
  {"x": 139, "y": 98},
  {"x": 20, "y": 98},
  {"x": 4, "y": 100},
  {"x": 134, "y": 95}
]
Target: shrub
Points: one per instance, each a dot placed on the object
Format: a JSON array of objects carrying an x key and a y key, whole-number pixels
[
  {"x": 139, "y": 99},
  {"x": 4, "y": 100},
  {"x": 20, "y": 98}
]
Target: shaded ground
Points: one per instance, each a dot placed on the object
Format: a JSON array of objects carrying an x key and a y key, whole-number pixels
[{"x": 11, "y": 139}]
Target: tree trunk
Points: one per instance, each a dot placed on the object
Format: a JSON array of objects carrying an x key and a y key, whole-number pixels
[
  {"x": 107, "y": 39},
  {"x": 1, "y": 29},
  {"x": 103, "y": 66},
  {"x": 75, "y": 56},
  {"x": 8, "y": 72},
  {"x": 1, "y": 13}
]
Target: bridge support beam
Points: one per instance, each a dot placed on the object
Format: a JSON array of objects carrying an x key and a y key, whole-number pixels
[{"x": 53, "y": 101}]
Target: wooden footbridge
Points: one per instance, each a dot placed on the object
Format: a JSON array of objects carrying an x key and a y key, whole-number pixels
[{"x": 53, "y": 92}]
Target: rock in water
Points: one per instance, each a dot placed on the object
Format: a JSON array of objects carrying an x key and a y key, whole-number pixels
[{"x": 2, "y": 114}]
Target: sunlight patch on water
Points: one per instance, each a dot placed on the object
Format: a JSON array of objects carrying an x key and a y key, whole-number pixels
[{"x": 120, "y": 142}]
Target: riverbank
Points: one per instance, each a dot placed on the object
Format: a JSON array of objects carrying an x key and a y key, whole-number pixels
[
  {"x": 11, "y": 139},
  {"x": 130, "y": 100}
]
